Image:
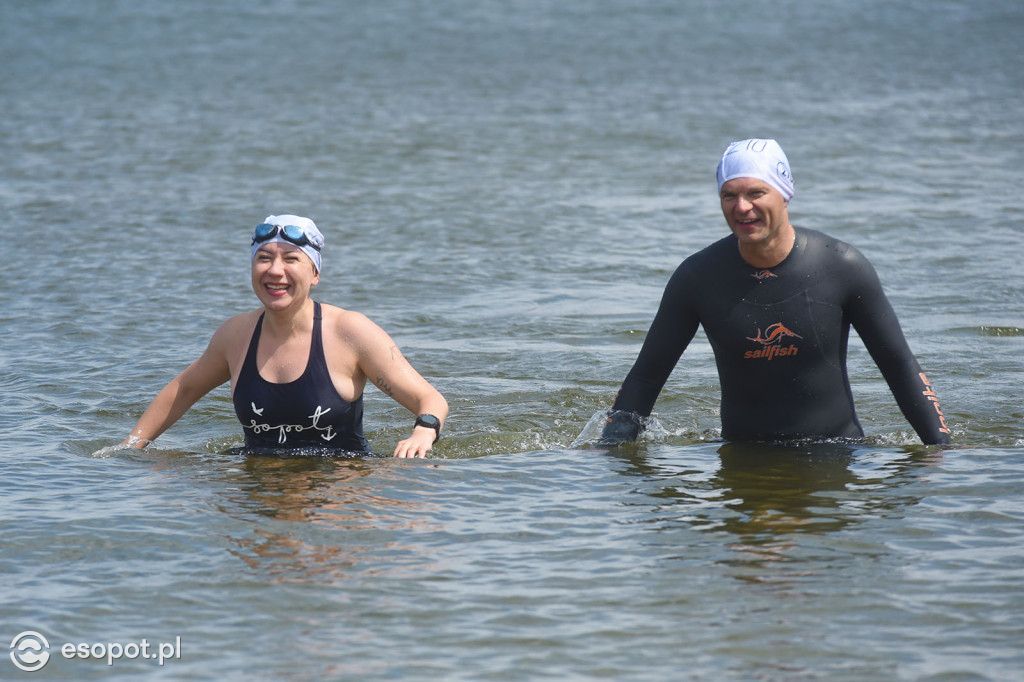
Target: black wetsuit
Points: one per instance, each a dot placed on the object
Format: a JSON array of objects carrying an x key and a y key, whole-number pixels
[
  {"x": 304, "y": 413},
  {"x": 779, "y": 336}
]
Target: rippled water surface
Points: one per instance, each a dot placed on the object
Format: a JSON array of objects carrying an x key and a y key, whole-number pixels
[{"x": 505, "y": 188}]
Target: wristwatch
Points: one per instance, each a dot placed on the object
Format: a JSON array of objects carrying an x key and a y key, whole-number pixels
[{"x": 431, "y": 422}]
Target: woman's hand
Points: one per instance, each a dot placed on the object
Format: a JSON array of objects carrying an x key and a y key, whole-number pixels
[{"x": 417, "y": 445}]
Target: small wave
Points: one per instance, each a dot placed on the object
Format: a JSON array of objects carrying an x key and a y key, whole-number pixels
[
  {"x": 306, "y": 452},
  {"x": 992, "y": 330},
  {"x": 1001, "y": 331}
]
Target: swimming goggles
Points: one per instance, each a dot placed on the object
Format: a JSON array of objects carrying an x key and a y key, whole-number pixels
[{"x": 292, "y": 233}]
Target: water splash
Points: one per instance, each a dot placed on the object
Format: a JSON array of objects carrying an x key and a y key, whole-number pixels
[
  {"x": 132, "y": 443},
  {"x": 652, "y": 430}
]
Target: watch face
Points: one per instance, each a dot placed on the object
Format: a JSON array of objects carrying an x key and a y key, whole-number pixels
[{"x": 428, "y": 420}]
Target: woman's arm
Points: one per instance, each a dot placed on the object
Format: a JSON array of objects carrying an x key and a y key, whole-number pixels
[
  {"x": 383, "y": 364},
  {"x": 202, "y": 376}
]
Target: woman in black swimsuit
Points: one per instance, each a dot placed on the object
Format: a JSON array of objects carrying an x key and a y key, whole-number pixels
[{"x": 298, "y": 367}]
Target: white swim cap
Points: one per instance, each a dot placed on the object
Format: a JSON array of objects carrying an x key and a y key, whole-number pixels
[
  {"x": 306, "y": 236},
  {"x": 755, "y": 158}
]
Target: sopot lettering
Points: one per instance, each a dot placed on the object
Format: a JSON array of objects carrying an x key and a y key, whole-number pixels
[{"x": 326, "y": 433}]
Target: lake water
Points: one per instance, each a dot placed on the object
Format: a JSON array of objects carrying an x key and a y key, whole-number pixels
[{"x": 505, "y": 188}]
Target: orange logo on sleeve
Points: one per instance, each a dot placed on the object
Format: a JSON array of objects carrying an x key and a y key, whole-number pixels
[{"x": 935, "y": 402}]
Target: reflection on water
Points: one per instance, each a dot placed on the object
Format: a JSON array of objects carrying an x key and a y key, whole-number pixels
[
  {"x": 306, "y": 489},
  {"x": 780, "y": 489},
  {"x": 766, "y": 495},
  {"x": 323, "y": 519}
]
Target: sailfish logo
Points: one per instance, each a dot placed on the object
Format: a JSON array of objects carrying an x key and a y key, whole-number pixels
[
  {"x": 775, "y": 334},
  {"x": 771, "y": 343}
]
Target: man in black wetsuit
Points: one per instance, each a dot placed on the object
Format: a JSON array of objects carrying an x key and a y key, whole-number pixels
[{"x": 776, "y": 303}]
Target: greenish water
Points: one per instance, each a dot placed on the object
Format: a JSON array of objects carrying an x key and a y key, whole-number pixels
[{"x": 505, "y": 188}]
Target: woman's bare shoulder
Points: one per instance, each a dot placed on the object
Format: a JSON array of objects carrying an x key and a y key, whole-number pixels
[
  {"x": 237, "y": 327},
  {"x": 353, "y": 326}
]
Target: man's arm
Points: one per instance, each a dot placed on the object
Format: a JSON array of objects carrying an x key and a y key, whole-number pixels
[
  {"x": 873, "y": 317},
  {"x": 672, "y": 330}
]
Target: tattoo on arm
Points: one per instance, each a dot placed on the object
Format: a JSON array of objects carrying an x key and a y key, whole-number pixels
[{"x": 384, "y": 386}]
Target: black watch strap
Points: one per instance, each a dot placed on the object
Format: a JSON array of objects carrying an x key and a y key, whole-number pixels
[{"x": 431, "y": 422}]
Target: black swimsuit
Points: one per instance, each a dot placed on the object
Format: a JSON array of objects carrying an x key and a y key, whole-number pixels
[
  {"x": 307, "y": 412},
  {"x": 780, "y": 335}
]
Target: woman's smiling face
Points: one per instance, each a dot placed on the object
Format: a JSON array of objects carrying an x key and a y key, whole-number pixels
[{"x": 282, "y": 274}]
